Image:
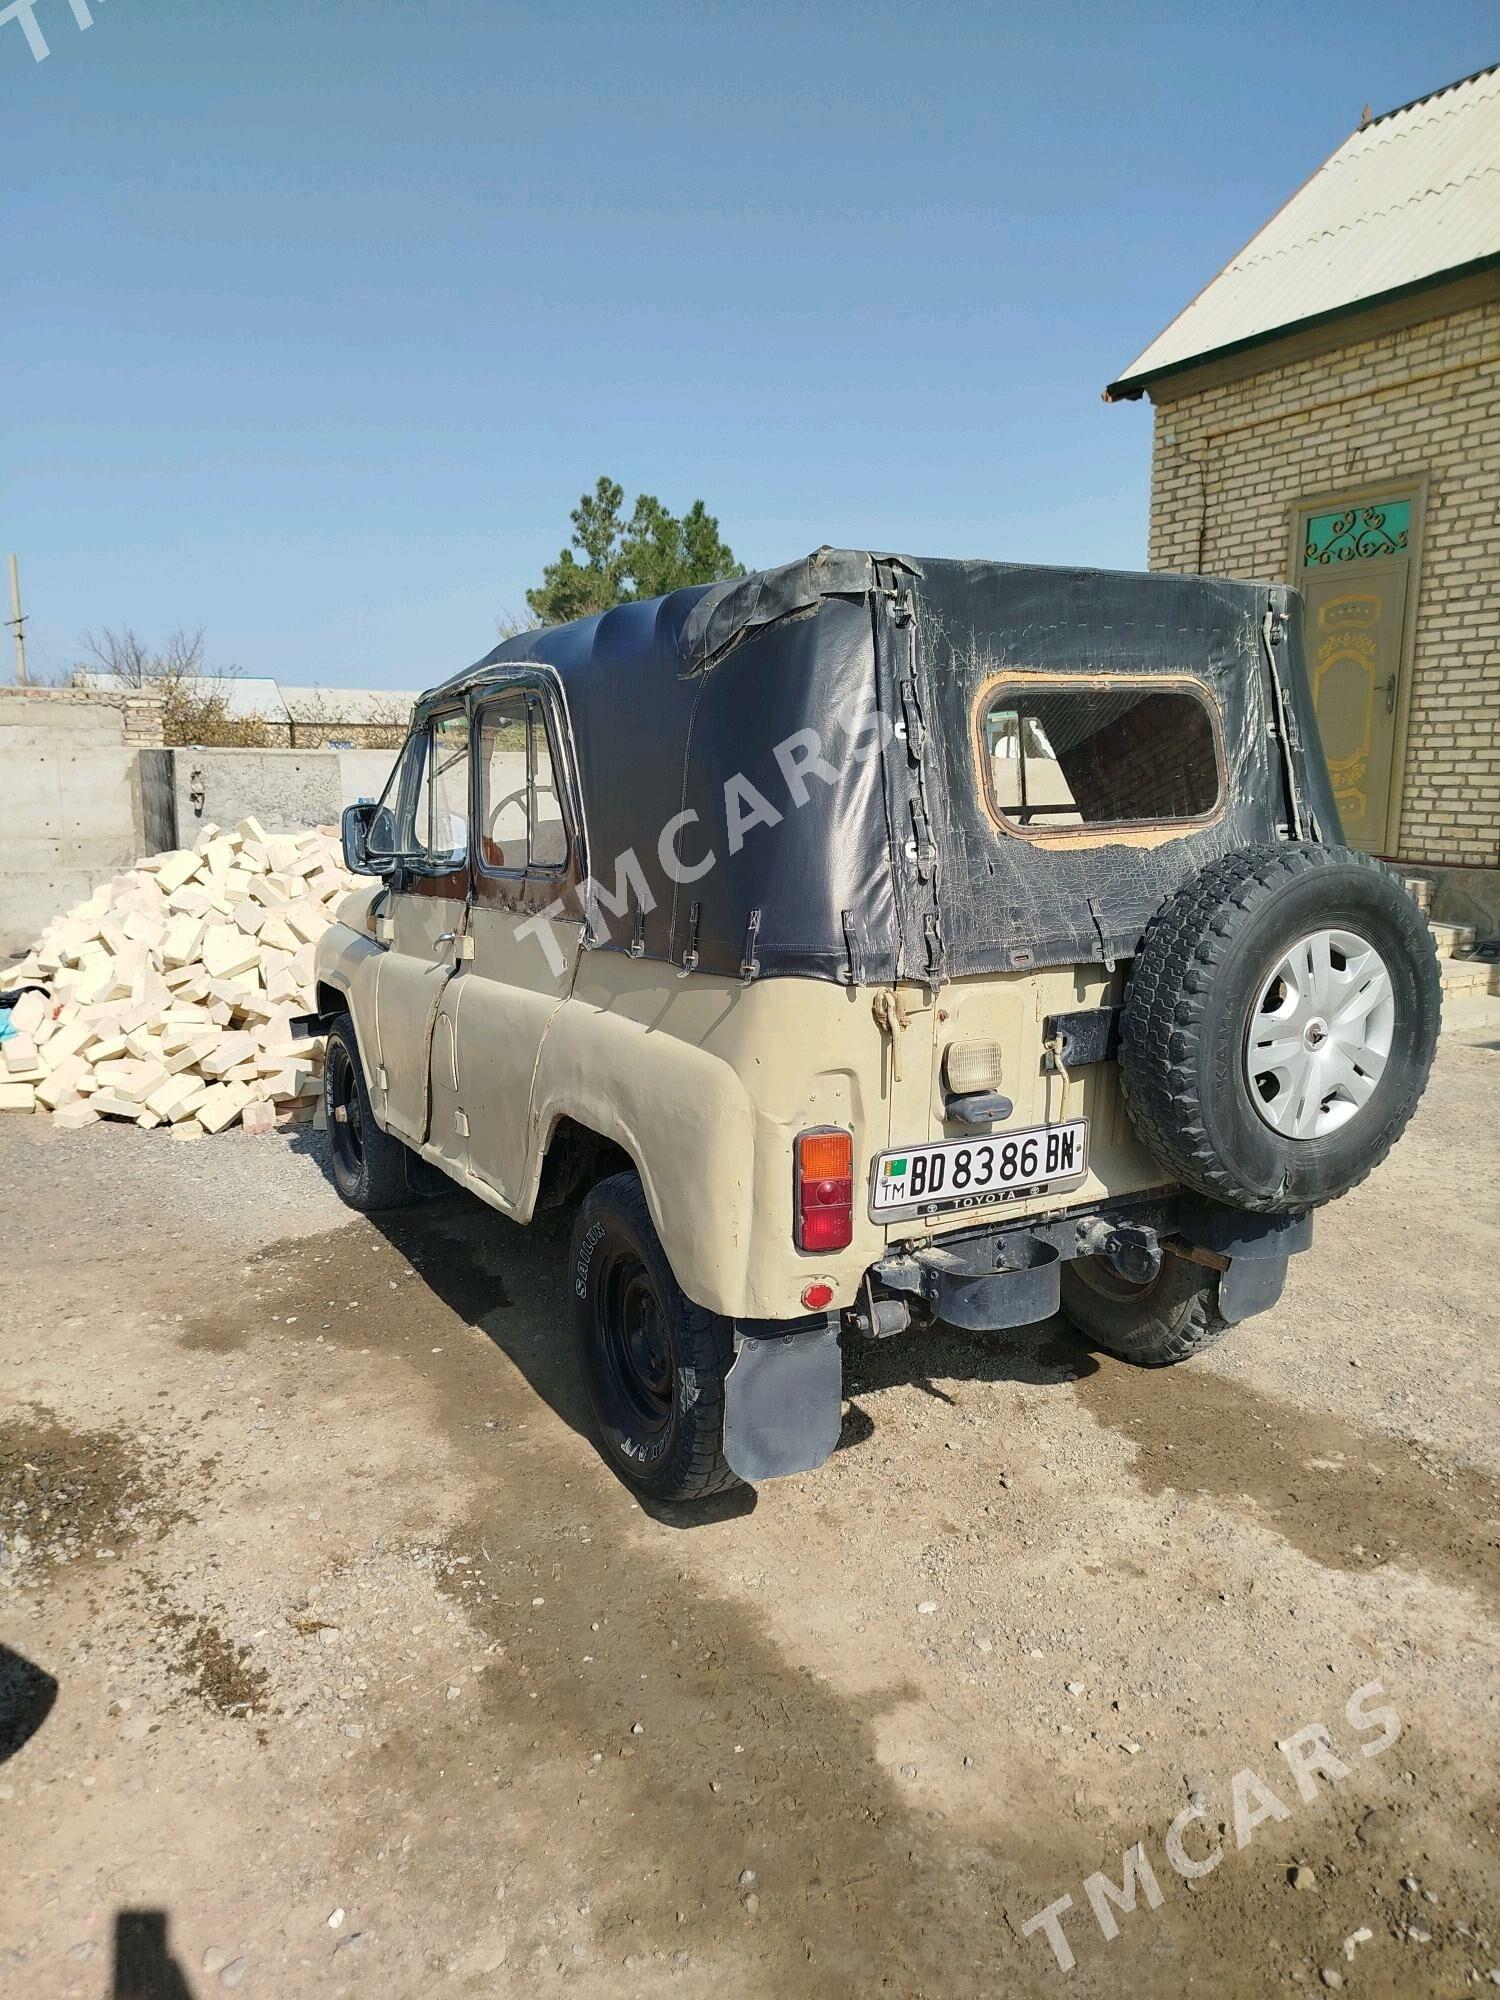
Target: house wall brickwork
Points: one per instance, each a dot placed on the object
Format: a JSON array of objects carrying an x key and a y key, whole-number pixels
[{"x": 1233, "y": 458}]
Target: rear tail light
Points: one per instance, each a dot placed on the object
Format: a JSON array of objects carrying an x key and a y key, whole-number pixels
[{"x": 825, "y": 1190}]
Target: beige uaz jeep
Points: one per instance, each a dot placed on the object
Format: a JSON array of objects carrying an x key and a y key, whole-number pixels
[{"x": 869, "y": 942}]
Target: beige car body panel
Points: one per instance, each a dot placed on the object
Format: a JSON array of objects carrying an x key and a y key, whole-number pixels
[
  {"x": 705, "y": 1083},
  {"x": 507, "y": 997},
  {"x": 349, "y": 958}
]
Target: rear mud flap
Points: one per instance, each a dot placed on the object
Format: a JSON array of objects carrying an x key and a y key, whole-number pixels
[
  {"x": 783, "y": 1403},
  {"x": 1251, "y": 1285}
]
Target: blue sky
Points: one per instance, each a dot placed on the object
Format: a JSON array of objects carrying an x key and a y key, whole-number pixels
[{"x": 320, "y": 316}]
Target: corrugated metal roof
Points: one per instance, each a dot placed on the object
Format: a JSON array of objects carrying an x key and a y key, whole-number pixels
[
  {"x": 246, "y": 697},
  {"x": 1411, "y": 196}
]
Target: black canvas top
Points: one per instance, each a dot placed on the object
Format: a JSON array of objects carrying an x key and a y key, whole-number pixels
[{"x": 713, "y": 700}]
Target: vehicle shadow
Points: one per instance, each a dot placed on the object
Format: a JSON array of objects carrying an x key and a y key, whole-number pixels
[
  {"x": 1043, "y": 1355},
  {"x": 27, "y": 1695},
  {"x": 144, "y": 1965},
  {"x": 511, "y": 1283}
]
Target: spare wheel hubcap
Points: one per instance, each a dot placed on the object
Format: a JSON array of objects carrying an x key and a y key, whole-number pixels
[{"x": 1320, "y": 1034}]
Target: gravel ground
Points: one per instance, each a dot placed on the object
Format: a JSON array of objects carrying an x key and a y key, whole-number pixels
[{"x": 335, "y": 1661}]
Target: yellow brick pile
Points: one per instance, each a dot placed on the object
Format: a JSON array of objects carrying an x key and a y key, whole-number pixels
[{"x": 172, "y": 988}]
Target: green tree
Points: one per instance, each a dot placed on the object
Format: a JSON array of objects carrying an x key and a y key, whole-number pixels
[{"x": 653, "y": 552}]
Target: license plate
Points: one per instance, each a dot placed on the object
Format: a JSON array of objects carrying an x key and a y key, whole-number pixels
[{"x": 970, "y": 1173}]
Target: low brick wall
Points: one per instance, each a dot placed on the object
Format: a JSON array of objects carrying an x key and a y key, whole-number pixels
[{"x": 139, "y": 710}]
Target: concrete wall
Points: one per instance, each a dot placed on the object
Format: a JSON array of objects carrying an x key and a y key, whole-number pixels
[
  {"x": 1466, "y": 896},
  {"x": 362, "y": 773},
  {"x": 84, "y": 795},
  {"x": 286, "y": 790},
  {"x": 74, "y": 808},
  {"x": 1233, "y": 454}
]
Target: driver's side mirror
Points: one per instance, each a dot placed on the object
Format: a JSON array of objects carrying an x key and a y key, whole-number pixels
[{"x": 369, "y": 833}]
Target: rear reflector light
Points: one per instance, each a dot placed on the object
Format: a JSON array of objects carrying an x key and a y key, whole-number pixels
[
  {"x": 817, "y": 1295},
  {"x": 825, "y": 1190}
]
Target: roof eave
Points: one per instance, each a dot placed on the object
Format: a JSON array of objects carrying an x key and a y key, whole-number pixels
[{"x": 1130, "y": 388}]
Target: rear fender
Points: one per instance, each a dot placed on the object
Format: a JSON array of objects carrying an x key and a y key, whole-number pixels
[{"x": 686, "y": 1122}]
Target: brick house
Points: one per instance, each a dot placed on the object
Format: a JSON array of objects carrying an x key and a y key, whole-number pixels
[{"x": 1327, "y": 413}]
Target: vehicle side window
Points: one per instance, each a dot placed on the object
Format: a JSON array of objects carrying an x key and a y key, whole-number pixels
[
  {"x": 522, "y": 825},
  {"x": 1064, "y": 756},
  {"x": 440, "y": 807},
  {"x": 383, "y": 842},
  {"x": 504, "y": 817},
  {"x": 549, "y": 833}
]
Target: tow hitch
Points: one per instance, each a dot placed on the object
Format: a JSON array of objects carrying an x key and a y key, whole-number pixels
[
  {"x": 1132, "y": 1248},
  {"x": 996, "y": 1278}
]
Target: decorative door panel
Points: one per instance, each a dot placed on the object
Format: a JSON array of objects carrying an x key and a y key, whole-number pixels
[
  {"x": 1353, "y": 640},
  {"x": 1355, "y": 570}
]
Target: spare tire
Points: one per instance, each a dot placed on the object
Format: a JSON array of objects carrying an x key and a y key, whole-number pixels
[{"x": 1279, "y": 1025}]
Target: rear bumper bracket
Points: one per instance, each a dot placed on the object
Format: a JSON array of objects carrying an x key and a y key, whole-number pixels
[{"x": 1007, "y": 1276}]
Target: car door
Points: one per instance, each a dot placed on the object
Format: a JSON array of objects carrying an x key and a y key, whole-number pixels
[
  {"x": 425, "y": 917},
  {"x": 526, "y": 925}
]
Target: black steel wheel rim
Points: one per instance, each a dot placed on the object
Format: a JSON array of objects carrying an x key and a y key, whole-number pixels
[
  {"x": 345, "y": 1124},
  {"x": 637, "y": 1367}
]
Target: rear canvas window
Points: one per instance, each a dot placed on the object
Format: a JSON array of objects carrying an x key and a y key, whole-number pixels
[{"x": 1070, "y": 755}]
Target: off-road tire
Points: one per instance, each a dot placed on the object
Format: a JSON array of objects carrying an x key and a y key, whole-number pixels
[
  {"x": 1187, "y": 1010},
  {"x": 668, "y": 1443},
  {"x": 374, "y": 1173},
  {"x": 1170, "y": 1319}
]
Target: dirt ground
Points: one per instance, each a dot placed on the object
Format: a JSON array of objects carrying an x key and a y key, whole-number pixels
[{"x": 339, "y": 1664}]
